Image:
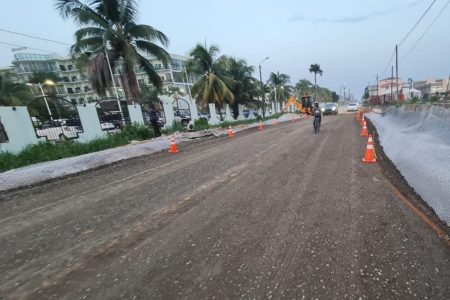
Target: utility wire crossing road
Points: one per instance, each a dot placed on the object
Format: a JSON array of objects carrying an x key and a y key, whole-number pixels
[{"x": 273, "y": 213}]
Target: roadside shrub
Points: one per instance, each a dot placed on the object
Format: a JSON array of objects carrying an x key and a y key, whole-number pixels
[
  {"x": 414, "y": 99},
  {"x": 177, "y": 127},
  {"x": 201, "y": 124},
  {"x": 47, "y": 151}
]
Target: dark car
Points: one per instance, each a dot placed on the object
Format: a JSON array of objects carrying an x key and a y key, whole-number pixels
[{"x": 330, "y": 109}]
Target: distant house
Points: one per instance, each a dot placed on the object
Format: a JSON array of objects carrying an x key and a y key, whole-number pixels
[{"x": 386, "y": 91}]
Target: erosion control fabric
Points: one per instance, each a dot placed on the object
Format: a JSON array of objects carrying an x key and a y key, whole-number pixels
[{"x": 417, "y": 140}]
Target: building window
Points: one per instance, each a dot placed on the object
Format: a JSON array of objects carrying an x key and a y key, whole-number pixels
[
  {"x": 3, "y": 135},
  {"x": 77, "y": 90},
  {"x": 70, "y": 67},
  {"x": 90, "y": 99},
  {"x": 74, "y": 101},
  {"x": 61, "y": 89},
  {"x": 157, "y": 67},
  {"x": 81, "y": 100},
  {"x": 66, "y": 79},
  {"x": 86, "y": 89},
  {"x": 74, "y": 78},
  {"x": 62, "y": 67},
  {"x": 70, "y": 90}
]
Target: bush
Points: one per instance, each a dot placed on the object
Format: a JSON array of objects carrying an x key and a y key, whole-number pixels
[
  {"x": 201, "y": 124},
  {"x": 414, "y": 99},
  {"x": 47, "y": 151},
  {"x": 177, "y": 127}
]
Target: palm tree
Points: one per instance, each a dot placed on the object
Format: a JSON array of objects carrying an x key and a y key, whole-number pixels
[
  {"x": 280, "y": 89},
  {"x": 247, "y": 90},
  {"x": 315, "y": 68},
  {"x": 213, "y": 86},
  {"x": 304, "y": 87},
  {"x": 12, "y": 94},
  {"x": 109, "y": 37}
]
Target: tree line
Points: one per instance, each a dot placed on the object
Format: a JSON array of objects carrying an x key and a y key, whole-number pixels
[{"x": 109, "y": 37}]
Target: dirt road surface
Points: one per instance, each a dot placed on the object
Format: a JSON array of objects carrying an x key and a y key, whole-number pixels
[{"x": 278, "y": 213}]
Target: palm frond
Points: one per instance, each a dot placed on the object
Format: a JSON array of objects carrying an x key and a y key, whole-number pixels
[
  {"x": 154, "y": 50},
  {"x": 146, "y": 32}
]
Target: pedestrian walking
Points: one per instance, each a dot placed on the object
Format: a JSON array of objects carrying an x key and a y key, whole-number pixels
[{"x": 154, "y": 120}]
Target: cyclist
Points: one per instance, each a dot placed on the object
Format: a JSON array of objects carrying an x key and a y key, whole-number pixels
[{"x": 317, "y": 114}]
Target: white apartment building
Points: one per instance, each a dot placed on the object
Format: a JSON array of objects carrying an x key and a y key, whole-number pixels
[
  {"x": 431, "y": 87},
  {"x": 74, "y": 85}
]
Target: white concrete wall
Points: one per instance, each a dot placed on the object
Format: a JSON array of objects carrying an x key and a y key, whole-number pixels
[
  {"x": 18, "y": 127},
  {"x": 193, "y": 109},
  {"x": 90, "y": 122},
  {"x": 213, "y": 120},
  {"x": 135, "y": 112},
  {"x": 241, "y": 112},
  {"x": 228, "y": 116},
  {"x": 168, "y": 110}
]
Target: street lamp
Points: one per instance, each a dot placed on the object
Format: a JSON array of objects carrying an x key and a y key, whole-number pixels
[
  {"x": 262, "y": 87},
  {"x": 40, "y": 85}
]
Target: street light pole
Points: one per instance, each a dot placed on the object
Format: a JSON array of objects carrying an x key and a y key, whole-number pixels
[
  {"x": 263, "y": 96},
  {"x": 45, "y": 100},
  {"x": 115, "y": 87}
]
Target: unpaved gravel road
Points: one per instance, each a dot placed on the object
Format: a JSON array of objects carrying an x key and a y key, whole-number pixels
[{"x": 281, "y": 213}]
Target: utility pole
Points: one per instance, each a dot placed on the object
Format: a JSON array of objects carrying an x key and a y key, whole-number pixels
[
  {"x": 263, "y": 96},
  {"x": 344, "y": 93},
  {"x": 377, "y": 86},
  {"x": 396, "y": 69},
  {"x": 392, "y": 83}
]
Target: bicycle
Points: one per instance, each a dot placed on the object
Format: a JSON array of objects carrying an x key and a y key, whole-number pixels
[{"x": 316, "y": 125}]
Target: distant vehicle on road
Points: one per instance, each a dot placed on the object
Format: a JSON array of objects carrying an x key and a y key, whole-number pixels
[
  {"x": 352, "y": 107},
  {"x": 330, "y": 109}
]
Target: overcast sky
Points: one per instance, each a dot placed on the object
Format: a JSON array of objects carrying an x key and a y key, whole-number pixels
[{"x": 352, "y": 40}]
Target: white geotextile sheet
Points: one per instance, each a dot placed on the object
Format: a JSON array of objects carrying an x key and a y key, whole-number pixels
[{"x": 417, "y": 141}]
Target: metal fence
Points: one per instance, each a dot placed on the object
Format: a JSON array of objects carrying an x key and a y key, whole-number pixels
[
  {"x": 113, "y": 114},
  {"x": 55, "y": 118}
]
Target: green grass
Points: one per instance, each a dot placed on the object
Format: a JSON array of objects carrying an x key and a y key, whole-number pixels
[{"x": 47, "y": 151}]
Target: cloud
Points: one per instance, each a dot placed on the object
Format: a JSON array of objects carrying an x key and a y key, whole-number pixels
[{"x": 354, "y": 19}]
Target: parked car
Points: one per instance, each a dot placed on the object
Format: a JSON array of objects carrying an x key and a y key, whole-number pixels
[
  {"x": 182, "y": 118},
  {"x": 352, "y": 107},
  {"x": 330, "y": 109},
  {"x": 107, "y": 125},
  {"x": 58, "y": 133}
]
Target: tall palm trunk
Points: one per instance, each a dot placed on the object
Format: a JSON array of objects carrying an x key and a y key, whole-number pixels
[
  {"x": 315, "y": 87},
  {"x": 130, "y": 84}
]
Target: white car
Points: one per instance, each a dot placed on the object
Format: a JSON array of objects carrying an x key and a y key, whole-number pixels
[
  {"x": 107, "y": 126},
  {"x": 352, "y": 107},
  {"x": 58, "y": 133}
]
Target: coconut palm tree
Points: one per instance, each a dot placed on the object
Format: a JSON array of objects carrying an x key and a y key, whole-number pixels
[
  {"x": 212, "y": 86},
  {"x": 12, "y": 94},
  {"x": 247, "y": 90},
  {"x": 315, "y": 68},
  {"x": 280, "y": 90},
  {"x": 109, "y": 36}
]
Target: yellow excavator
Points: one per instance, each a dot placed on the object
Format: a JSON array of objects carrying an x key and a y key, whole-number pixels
[{"x": 304, "y": 105}]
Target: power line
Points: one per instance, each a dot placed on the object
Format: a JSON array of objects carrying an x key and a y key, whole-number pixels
[
  {"x": 34, "y": 37},
  {"x": 389, "y": 63},
  {"x": 15, "y": 45},
  {"x": 425, "y": 32},
  {"x": 417, "y": 23}
]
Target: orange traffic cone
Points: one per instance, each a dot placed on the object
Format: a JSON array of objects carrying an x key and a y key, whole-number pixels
[
  {"x": 261, "y": 126},
  {"x": 230, "y": 132},
  {"x": 364, "y": 129},
  {"x": 370, "y": 152},
  {"x": 173, "y": 147}
]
